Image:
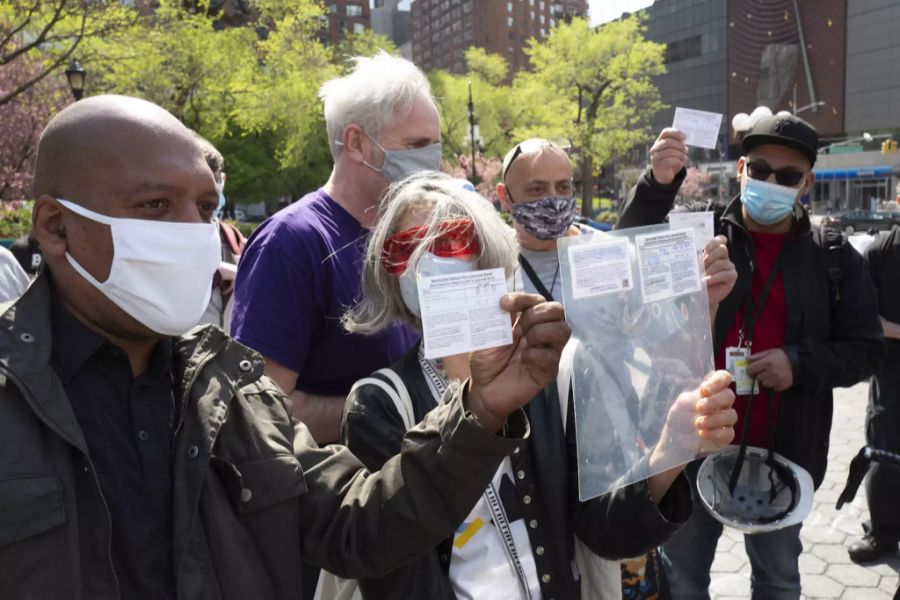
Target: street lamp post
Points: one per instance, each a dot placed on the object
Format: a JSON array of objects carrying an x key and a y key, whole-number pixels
[
  {"x": 472, "y": 132},
  {"x": 76, "y": 76}
]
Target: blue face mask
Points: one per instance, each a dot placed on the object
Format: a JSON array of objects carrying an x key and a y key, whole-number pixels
[
  {"x": 767, "y": 203},
  {"x": 221, "y": 189}
]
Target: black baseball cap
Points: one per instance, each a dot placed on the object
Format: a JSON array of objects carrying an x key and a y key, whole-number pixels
[{"x": 783, "y": 130}]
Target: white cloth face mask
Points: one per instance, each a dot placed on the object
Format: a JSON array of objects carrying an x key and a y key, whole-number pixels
[{"x": 161, "y": 272}]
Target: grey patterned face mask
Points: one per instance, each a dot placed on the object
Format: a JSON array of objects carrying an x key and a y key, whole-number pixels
[{"x": 547, "y": 218}]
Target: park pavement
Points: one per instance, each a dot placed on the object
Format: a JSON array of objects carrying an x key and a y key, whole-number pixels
[{"x": 826, "y": 570}]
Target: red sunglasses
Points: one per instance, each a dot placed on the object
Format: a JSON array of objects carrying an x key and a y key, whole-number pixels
[{"x": 457, "y": 238}]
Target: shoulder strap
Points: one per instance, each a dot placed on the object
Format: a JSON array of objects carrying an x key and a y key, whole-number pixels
[
  {"x": 396, "y": 391},
  {"x": 535, "y": 280},
  {"x": 832, "y": 242},
  {"x": 403, "y": 401}
]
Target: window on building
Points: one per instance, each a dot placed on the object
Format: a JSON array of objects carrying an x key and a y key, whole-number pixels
[
  {"x": 359, "y": 27},
  {"x": 342, "y": 26},
  {"x": 509, "y": 7},
  {"x": 683, "y": 49},
  {"x": 542, "y": 5},
  {"x": 354, "y": 10},
  {"x": 509, "y": 21},
  {"x": 332, "y": 8}
]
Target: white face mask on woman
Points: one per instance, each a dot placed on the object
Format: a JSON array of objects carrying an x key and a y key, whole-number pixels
[{"x": 161, "y": 272}]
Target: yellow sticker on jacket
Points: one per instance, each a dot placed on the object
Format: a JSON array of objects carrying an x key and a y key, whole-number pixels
[{"x": 466, "y": 534}]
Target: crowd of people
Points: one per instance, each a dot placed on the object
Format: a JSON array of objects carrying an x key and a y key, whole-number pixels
[{"x": 299, "y": 444}]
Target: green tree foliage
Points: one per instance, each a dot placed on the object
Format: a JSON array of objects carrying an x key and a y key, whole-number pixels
[
  {"x": 47, "y": 34},
  {"x": 249, "y": 87},
  {"x": 496, "y": 111},
  {"x": 593, "y": 87},
  {"x": 366, "y": 43}
]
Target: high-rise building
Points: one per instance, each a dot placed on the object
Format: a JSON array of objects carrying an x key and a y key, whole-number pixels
[
  {"x": 694, "y": 32},
  {"x": 834, "y": 62},
  {"x": 394, "y": 22},
  {"x": 444, "y": 29},
  {"x": 343, "y": 18}
]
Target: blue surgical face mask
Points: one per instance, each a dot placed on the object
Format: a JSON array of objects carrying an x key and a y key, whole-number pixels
[
  {"x": 400, "y": 164},
  {"x": 221, "y": 189},
  {"x": 767, "y": 203}
]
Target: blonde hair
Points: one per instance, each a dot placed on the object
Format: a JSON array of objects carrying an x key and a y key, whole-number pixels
[{"x": 444, "y": 199}]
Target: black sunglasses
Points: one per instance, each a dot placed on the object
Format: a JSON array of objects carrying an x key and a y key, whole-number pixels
[{"x": 787, "y": 176}]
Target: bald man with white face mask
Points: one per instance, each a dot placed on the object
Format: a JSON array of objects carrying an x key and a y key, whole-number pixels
[{"x": 141, "y": 458}]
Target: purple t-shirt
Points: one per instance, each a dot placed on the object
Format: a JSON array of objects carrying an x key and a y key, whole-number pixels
[{"x": 297, "y": 276}]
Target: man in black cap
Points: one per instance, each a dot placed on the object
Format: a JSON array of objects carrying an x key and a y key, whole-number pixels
[{"x": 801, "y": 320}]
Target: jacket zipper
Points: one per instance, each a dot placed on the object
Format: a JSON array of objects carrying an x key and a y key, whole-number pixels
[{"x": 36, "y": 409}]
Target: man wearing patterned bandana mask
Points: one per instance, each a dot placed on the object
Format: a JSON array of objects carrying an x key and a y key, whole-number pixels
[{"x": 538, "y": 191}]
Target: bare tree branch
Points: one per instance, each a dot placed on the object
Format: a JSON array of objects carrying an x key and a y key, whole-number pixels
[
  {"x": 40, "y": 38},
  {"x": 53, "y": 66}
]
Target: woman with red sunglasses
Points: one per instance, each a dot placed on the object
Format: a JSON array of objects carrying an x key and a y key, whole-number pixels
[{"x": 517, "y": 542}]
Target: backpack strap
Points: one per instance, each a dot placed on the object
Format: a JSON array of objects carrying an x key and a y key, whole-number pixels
[
  {"x": 396, "y": 391},
  {"x": 832, "y": 242}
]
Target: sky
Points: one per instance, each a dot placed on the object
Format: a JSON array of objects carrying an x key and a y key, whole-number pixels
[{"x": 602, "y": 11}]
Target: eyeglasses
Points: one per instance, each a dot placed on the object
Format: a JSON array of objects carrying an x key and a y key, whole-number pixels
[
  {"x": 457, "y": 238},
  {"x": 787, "y": 176}
]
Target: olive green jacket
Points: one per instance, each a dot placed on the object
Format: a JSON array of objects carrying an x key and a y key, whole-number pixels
[{"x": 252, "y": 493}]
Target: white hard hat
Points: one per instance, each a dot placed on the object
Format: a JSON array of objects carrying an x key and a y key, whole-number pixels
[{"x": 770, "y": 492}]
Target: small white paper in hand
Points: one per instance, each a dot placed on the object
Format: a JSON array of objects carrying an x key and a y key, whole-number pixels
[
  {"x": 700, "y": 222},
  {"x": 461, "y": 312},
  {"x": 701, "y": 128}
]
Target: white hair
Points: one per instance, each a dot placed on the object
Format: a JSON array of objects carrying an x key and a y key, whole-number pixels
[
  {"x": 443, "y": 198},
  {"x": 378, "y": 92}
]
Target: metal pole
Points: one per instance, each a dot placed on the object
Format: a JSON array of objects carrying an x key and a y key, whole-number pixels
[
  {"x": 809, "y": 82},
  {"x": 472, "y": 131}
]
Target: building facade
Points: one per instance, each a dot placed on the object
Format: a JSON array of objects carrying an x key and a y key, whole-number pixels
[
  {"x": 395, "y": 23},
  {"x": 695, "y": 33},
  {"x": 835, "y": 62},
  {"x": 442, "y": 30},
  {"x": 343, "y": 18}
]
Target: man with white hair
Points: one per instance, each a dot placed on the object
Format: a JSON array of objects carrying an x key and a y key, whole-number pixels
[{"x": 301, "y": 268}]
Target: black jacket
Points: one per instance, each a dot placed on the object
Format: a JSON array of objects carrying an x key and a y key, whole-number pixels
[
  {"x": 623, "y": 524},
  {"x": 253, "y": 495},
  {"x": 833, "y": 337}
]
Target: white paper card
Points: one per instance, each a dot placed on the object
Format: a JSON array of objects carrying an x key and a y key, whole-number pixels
[
  {"x": 600, "y": 267},
  {"x": 701, "y": 128},
  {"x": 700, "y": 222},
  {"x": 668, "y": 264},
  {"x": 461, "y": 312}
]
